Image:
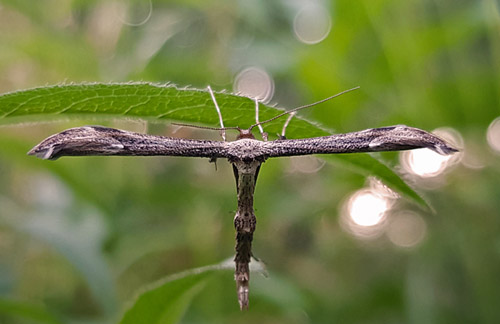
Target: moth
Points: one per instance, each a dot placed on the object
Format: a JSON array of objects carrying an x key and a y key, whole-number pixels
[{"x": 246, "y": 154}]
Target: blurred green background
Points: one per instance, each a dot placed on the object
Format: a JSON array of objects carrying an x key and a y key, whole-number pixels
[{"x": 79, "y": 237}]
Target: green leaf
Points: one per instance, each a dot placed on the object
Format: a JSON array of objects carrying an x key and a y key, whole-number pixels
[
  {"x": 166, "y": 301},
  {"x": 166, "y": 102},
  {"x": 80, "y": 241},
  {"x": 29, "y": 311},
  {"x": 148, "y": 101}
]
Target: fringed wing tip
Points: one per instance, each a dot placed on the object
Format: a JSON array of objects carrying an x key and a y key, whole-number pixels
[
  {"x": 45, "y": 153},
  {"x": 86, "y": 140},
  {"x": 444, "y": 149},
  {"x": 402, "y": 137},
  {"x": 441, "y": 146}
]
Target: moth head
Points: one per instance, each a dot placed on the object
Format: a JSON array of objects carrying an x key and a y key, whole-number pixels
[{"x": 245, "y": 133}]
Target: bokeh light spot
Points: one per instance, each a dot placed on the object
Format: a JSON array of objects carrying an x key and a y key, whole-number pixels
[
  {"x": 367, "y": 208},
  {"x": 493, "y": 135},
  {"x": 306, "y": 164},
  {"x": 365, "y": 212},
  {"x": 139, "y": 13},
  {"x": 254, "y": 82},
  {"x": 406, "y": 229},
  {"x": 426, "y": 163},
  {"x": 312, "y": 24}
]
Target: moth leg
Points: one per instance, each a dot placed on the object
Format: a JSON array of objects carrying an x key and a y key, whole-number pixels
[
  {"x": 290, "y": 116},
  {"x": 223, "y": 130},
  {"x": 214, "y": 161},
  {"x": 257, "y": 122}
]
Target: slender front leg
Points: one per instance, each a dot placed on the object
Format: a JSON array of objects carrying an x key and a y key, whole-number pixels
[
  {"x": 244, "y": 223},
  {"x": 221, "y": 122},
  {"x": 257, "y": 122},
  {"x": 285, "y": 125}
]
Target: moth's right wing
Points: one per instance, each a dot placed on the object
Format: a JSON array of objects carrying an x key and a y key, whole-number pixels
[
  {"x": 98, "y": 140},
  {"x": 392, "y": 138}
]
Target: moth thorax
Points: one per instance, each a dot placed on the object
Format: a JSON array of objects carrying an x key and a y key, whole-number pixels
[{"x": 245, "y": 133}]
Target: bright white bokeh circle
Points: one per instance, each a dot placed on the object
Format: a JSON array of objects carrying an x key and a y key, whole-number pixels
[{"x": 366, "y": 208}]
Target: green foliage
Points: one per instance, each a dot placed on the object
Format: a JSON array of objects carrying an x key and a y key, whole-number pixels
[
  {"x": 168, "y": 300},
  {"x": 27, "y": 311},
  {"x": 155, "y": 102},
  {"x": 140, "y": 100},
  {"x": 80, "y": 237}
]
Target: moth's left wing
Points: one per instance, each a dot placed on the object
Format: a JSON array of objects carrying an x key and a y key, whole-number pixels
[
  {"x": 98, "y": 140},
  {"x": 392, "y": 138}
]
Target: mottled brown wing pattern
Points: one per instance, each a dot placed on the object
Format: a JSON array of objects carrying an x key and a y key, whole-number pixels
[
  {"x": 391, "y": 138},
  {"x": 98, "y": 140}
]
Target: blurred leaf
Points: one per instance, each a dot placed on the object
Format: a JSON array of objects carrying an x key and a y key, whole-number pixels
[
  {"x": 357, "y": 163},
  {"x": 166, "y": 301},
  {"x": 157, "y": 102},
  {"x": 33, "y": 10},
  {"x": 27, "y": 311},
  {"x": 79, "y": 240},
  {"x": 15, "y": 150}
]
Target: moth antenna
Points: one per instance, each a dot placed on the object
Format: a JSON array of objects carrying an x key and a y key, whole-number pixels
[
  {"x": 222, "y": 129},
  {"x": 305, "y": 106}
]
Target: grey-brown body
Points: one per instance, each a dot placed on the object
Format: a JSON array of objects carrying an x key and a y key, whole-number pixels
[
  {"x": 244, "y": 222},
  {"x": 246, "y": 154}
]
